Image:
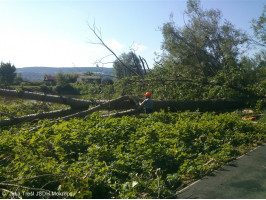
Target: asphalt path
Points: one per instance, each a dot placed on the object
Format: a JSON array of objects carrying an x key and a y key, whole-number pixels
[{"x": 244, "y": 178}]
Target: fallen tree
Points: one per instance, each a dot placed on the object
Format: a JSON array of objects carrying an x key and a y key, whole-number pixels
[
  {"x": 89, "y": 111},
  {"x": 127, "y": 103},
  {"x": 122, "y": 113},
  {"x": 96, "y": 108},
  {"x": 74, "y": 103},
  {"x": 63, "y": 114},
  {"x": 34, "y": 117},
  {"x": 124, "y": 105},
  {"x": 201, "y": 105},
  {"x": 218, "y": 105}
]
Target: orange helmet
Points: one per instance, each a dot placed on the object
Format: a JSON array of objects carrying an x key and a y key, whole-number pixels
[{"x": 148, "y": 94}]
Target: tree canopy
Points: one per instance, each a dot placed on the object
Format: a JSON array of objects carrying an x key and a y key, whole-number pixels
[
  {"x": 259, "y": 28},
  {"x": 131, "y": 61},
  {"x": 204, "y": 45},
  {"x": 204, "y": 59},
  {"x": 7, "y": 73}
]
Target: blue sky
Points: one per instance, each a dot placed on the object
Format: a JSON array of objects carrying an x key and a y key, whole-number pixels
[{"x": 55, "y": 33}]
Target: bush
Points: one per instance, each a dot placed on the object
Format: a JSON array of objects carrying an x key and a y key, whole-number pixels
[{"x": 66, "y": 89}]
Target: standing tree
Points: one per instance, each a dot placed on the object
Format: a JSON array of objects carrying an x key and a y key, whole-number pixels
[
  {"x": 61, "y": 79},
  {"x": 204, "y": 45},
  {"x": 7, "y": 73},
  {"x": 259, "y": 28},
  {"x": 132, "y": 62}
]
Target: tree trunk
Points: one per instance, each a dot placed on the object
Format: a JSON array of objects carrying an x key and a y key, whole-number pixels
[
  {"x": 105, "y": 105},
  {"x": 201, "y": 105},
  {"x": 74, "y": 103},
  {"x": 39, "y": 116},
  {"x": 128, "y": 103},
  {"x": 64, "y": 114},
  {"x": 120, "y": 114}
]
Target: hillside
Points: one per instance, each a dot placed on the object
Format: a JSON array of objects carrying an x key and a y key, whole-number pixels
[{"x": 37, "y": 73}]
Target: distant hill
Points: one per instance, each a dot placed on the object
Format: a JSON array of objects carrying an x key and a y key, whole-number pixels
[{"x": 37, "y": 73}]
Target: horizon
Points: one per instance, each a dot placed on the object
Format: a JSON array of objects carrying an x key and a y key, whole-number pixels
[{"x": 56, "y": 33}]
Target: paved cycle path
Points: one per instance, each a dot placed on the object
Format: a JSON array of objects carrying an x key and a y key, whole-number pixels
[{"x": 244, "y": 178}]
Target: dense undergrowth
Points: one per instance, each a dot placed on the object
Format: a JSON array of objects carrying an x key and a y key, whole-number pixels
[{"x": 151, "y": 156}]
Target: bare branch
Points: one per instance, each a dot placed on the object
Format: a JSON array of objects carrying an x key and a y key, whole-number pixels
[
  {"x": 105, "y": 57},
  {"x": 255, "y": 42},
  {"x": 101, "y": 60},
  {"x": 157, "y": 62},
  {"x": 122, "y": 113},
  {"x": 146, "y": 63},
  {"x": 137, "y": 66},
  {"x": 94, "y": 43},
  {"x": 143, "y": 65},
  {"x": 94, "y": 30},
  {"x": 103, "y": 63},
  {"x": 165, "y": 80}
]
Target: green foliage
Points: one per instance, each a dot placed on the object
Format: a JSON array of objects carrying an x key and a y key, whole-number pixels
[
  {"x": 151, "y": 156},
  {"x": 127, "y": 86},
  {"x": 88, "y": 73},
  {"x": 45, "y": 89},
  {"x": 96, "y": 90},
  {"x": 67, "y": 89},
  {"x": 18, "y": 79},
  {"x": 63, "y": 80},
  {"x": 107, "y": 81},
  {"x": 7, "y": 73},
  {"x": 259, "y": 27},
  {"x": 147, "y": 157},
  {"x": 131, "y": 61},
  {"x": 202, "y": 60},
  {"x": 32, "y": 83},
  {"x": 204, "y": 45},
  {"x": 18, "y": 108},
  {"x": 63, "y": 83}
]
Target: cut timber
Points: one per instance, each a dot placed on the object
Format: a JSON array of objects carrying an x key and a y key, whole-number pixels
[
  {"x": 201, "y": 105},
  {"x": 64, "y": 114},
  {"x": 129, "y": 103},
  {"x": 86, "y": 112},
  {"x": 96, "y": 108},
  {"x": 45, "y": 115},
  {"x": 120, "y": 114},
  {"x": 74, "y": 103}
]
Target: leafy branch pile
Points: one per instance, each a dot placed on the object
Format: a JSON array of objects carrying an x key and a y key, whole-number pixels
[{"x": 152, "y": 156}]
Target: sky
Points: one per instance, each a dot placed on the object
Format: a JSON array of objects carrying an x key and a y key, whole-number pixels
[{"x": 55, "y": 33}]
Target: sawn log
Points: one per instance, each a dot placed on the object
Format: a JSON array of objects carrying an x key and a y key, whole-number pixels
[{"x": 74, "y": 103}]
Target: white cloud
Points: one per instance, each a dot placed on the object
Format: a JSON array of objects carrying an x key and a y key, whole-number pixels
[
  {"x": 114, "y": 44},
  {"x": 25, "y": 49},
  {"x": 138, "y": 47}
]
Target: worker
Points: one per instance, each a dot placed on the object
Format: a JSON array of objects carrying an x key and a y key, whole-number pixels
[{"x": 147, "y": 104}]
